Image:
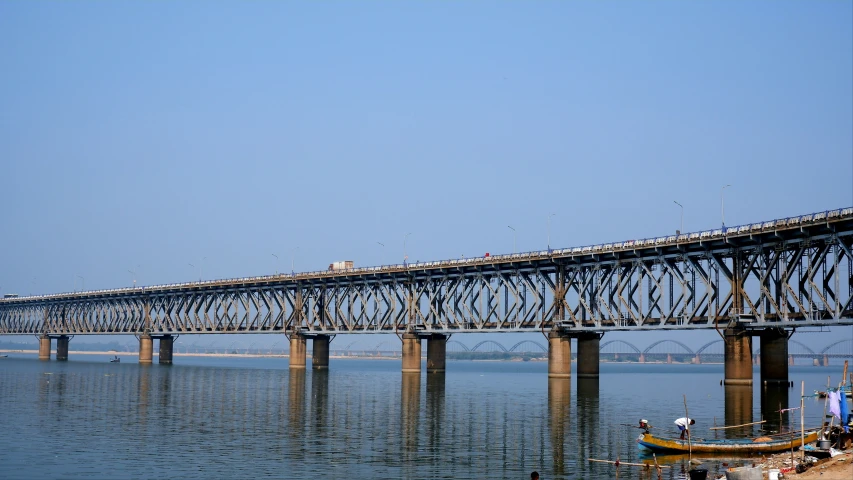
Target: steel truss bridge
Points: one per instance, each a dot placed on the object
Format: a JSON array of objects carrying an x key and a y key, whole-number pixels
[{"x": 783, "y": 273}]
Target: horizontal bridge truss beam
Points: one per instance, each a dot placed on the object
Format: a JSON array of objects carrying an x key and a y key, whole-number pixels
[{"x": 803, "y": 278}]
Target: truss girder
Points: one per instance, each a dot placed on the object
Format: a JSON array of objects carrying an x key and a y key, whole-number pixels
[{"x": 784, "y": 281}]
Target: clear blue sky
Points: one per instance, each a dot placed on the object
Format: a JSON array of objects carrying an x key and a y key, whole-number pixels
[{"x": 147, "y": 136}]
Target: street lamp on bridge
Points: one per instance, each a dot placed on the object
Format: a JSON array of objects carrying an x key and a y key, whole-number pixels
[
  {"x": 682, "y": 217},
  {"x": 383, "y": 250},
  {"x": 723, "y": 206},
  {"x": 405, "y": 256},
  {"x": 276, "y": 263},
  {"x": 549, "y": 230},
  {"x": 513, "y": 237}
]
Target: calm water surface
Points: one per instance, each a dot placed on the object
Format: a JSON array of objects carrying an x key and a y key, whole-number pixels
[{"x": 253, "y": 418}]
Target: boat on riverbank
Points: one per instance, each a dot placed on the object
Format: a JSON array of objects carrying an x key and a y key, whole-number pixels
[{"x": 779, "y": 443}]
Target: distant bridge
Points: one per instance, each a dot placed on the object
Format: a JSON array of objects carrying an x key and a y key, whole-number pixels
[{"x": 838, "y": 349}]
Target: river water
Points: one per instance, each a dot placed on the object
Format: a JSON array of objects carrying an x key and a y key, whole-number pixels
[{"x": 208, "y": 418}]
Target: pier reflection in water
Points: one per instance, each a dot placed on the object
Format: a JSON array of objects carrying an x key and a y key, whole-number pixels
[
  {"x": 738, "y": 407},
  {"x": 774, "y": 403},
  {"x": 435, "y": 418},
  {"x": 588, "y": 425},
  {"x": 296, "y": 403},
  {"x": 560, "y": 409},
  {"x": 410, "y": 411}
]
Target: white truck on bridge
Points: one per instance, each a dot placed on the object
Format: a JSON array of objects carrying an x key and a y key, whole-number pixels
[{"x": 344, "y": 265}]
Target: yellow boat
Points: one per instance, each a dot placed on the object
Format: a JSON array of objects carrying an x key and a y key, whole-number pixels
[{"x": 779, "y": 443}]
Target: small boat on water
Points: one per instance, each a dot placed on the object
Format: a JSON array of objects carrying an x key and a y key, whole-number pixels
[
  {"x": 116, "y": 359},
  {"x": 778, "y": 443},
  {"x": 848, "y": 390}
]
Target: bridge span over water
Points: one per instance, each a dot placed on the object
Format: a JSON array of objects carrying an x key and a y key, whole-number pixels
[{"x": 764, "y": 278}]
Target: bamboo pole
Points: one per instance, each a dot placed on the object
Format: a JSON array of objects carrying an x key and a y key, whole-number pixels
[
  {"x": 823, "y": 419},
  {"x": 626, "y": 463},
  {"x": 689, "y": 441},
  {"x": 657, "y": 467},
  {"x": 802, "y": 427},
  {"x": 736, "y": 426}
]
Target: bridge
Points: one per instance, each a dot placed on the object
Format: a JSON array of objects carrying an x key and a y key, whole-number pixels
[{"x": 765, "y": 278}]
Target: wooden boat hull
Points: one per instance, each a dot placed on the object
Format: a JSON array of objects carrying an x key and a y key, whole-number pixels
[{"x": 745, "y": 446}]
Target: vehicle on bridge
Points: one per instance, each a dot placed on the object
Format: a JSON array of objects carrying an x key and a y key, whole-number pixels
[{"x": 341, "y": 266}]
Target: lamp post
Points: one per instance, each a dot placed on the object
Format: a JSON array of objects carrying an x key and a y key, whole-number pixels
[
  {"x": 549, "y": 231},
  {"x": 723, "y": 206},
  {"x": 682, "y": 217},
  {"x": 383, "y": 250},
  {"x": 276, "y": 263},
  {"x": 405, "y": 256},
  {"x": 199, "y": 267},
  {"x": 133, "y": 275},
  {"x": 513, "y": 237},
  {"x": 82, "y": 283},
  {"x": 293, "y": 259}
]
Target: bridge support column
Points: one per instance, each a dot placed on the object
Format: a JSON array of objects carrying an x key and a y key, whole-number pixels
[
  {"x": 62, "y": 347},
  {"x": 44, "y": 348},
  {"x": 774, "y": 356},
  {"x": 738, "y": 356},
  {"x": 320, "y": 354},
  {"x": 588, "y": 349},
  {"x": 167, "y": 343},
  {"x": 436, "y": 353},
  {"x": 560, "y": 355},
  {"x": 298, "y": 347},
  {"x": 411, "y": 353},
  {"x": 146, "y": 349}
]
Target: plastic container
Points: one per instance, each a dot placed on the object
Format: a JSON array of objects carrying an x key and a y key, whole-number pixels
[
  {"x": 697, "y": 474},
  {"x": 744, "y": 473},
  {"x": 773, "y": 474}
]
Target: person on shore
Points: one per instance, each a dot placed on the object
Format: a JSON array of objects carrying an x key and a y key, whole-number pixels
[{"x": 684, "y": 425}]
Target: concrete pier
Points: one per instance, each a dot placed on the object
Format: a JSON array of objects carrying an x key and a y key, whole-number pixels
[
  {"x": 298, "y": 349},
  {"x": 146, "y": 349},
  {"x": 774, "y": 356},
  {"x": 559, "y": 354},
  {"x": 436, "y": 353},
  {"x": 62, "y": 347},
  {"x": 411, "y": 353},
  {"x": 588, "y": 349},
  {"x": 166, "y": 344},
  {"x": 44, "y": 348},
  {"x": 320, "y": 354},
  {"x": 738, "y": 356}
]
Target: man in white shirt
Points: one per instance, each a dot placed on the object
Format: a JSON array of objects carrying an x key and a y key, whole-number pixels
[{"x": 684, "y": 425}]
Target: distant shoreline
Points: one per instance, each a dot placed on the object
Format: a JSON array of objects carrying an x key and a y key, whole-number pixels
[{"x": 278, "y": 355}]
